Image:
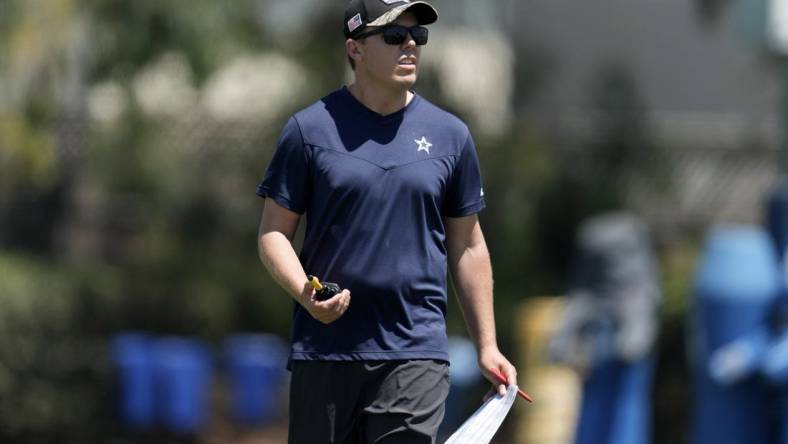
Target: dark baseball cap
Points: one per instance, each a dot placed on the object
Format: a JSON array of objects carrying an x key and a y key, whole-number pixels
[{"x": 360, "y": 14}]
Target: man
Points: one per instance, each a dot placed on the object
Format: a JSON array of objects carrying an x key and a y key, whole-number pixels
[{"x": 390, "y": 186}]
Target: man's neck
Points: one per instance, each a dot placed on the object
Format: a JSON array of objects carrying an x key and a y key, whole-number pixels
[{"x": 382, "y": 101}]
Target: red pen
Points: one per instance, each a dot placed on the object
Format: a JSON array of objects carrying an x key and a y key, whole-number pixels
[{"x": 502, "y": 378}]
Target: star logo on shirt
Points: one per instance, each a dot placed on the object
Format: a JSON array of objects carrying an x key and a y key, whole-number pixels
[{"x": 423, "y": 144}]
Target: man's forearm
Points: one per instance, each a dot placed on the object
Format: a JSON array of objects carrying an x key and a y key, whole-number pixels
[
  {"x": 277, "y": 228},
  {"x": 472, "y": 275},
  {"x": 277, "y": 254}
]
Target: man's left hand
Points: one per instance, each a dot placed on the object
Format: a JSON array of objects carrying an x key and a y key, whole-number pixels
[{"x": 493, "y": 358}]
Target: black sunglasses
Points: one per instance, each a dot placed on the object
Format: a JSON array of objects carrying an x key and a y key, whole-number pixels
[{"x": 397, "y": 34}]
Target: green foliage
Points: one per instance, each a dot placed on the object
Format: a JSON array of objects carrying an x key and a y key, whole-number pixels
[
  {"x": 28, "y": 154},
  {"x": 49, "y": 364},
  {"x": 678, "y": 268},
  {"x": 515, "y": 173},
  {"x": 135, "y": 33}
]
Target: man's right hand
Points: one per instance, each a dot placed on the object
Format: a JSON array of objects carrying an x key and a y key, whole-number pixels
[{"x": 326, "y": 311}]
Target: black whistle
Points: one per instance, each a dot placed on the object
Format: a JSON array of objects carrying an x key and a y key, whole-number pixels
[{"x": 323, "y": 290}]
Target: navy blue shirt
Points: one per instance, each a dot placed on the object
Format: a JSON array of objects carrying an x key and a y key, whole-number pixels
[{"x": 375, "y": 190}]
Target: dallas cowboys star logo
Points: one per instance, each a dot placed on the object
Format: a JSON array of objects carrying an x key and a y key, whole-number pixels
[{"x": 423, "y": 144}]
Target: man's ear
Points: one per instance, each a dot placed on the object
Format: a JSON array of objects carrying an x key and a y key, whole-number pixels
[{"x": 355, "y": 49}]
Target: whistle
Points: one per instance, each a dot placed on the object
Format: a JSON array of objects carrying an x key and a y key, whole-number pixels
[{"x": 323, "y": 290}]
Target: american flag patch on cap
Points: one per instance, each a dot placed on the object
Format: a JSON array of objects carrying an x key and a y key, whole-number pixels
[{"x": 354, "y": 23}]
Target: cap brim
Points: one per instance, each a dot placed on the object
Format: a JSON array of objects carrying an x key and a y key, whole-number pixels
[{"x": 423, "y": 11}]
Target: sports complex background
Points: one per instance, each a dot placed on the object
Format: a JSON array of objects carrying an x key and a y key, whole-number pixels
[{"x": 133, "y": 134}]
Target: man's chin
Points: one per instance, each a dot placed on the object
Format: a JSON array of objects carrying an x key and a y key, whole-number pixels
[{"x": 406, "y": 81}]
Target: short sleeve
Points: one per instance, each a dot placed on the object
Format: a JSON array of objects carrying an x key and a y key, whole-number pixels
[
  {"x": 287, "y": 178},
  {"x": 465, "y": 194}
]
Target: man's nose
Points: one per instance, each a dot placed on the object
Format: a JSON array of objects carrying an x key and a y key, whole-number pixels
[{"x": 409, "y": 42}]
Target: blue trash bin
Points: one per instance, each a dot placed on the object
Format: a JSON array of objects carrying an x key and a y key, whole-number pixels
[
  {"x": 775, "y": 370},
  {"x": 616, "y": 403},
  {"x": 736, "y": 283},
  {"x": 256, "y": 370},
  {"x": 776, "y": 361},
  {"x": 741, "y": 359},
  {"x": 132, "y": 357},
  {"x": 183, "y": 376},
  {"x": 616, "y": 399},
  {"x": 777, "y": 218}
]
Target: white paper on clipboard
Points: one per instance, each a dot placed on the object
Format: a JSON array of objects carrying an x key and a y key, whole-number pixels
[{"x": 482, "y": 425}]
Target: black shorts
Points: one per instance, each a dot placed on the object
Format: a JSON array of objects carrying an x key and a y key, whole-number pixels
[{"x": 366, "y": 402}]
